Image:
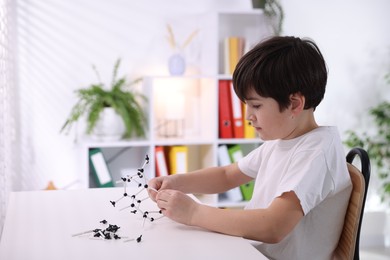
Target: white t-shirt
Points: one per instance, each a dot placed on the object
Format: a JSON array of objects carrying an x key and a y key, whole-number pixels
[{"x": 314, "y": 167}]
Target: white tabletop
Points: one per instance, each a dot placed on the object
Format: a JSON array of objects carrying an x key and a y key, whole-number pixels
[{"x": 40, "y": 225}]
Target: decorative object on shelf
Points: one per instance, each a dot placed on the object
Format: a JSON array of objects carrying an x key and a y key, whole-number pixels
[
  {"x": 258, "y": 4},
  {"x": 99, "y": 103},
  {"x": 377, "y": 144},
  {"x": 50, "y": 186},
  {"x": 177, "y": 62},
  {"x": 171, "y": 105},
  {"x": 274, "y": 11},
  {"x": 171, "y": 127}
]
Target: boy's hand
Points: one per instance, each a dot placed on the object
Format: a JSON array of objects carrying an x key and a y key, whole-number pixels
[
  {"x": 176, "y": 205},
  {"x": 159, "y": 183}
]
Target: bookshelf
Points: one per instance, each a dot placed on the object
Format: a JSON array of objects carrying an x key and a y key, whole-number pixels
[{"x": 184, "y": 110}]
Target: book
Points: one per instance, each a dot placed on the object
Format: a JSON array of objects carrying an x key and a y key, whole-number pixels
[
  {"x": 161, "y": 162},
  {"x": 237, "y": 118},
  {"x": 234, "y": 48},
  {"x": 224, "y": 110},
  {"x": 234, "y": 194},
  {"x": 178, "y": 159},
  {"x": 233, "y": 53},
  {"x": 99, "y": 168},
  {"x": 226, "y": 64}
]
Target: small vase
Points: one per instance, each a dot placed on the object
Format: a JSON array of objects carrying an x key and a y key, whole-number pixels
[
  {"x": 177, "y": 64},
  {"x": 110, "y": 126}
]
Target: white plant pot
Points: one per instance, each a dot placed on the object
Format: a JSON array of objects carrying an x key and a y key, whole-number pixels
[{"x": 110, "y": 126}]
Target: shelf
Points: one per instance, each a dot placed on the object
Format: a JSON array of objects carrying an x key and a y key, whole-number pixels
[
  {"x": 121, "y": 143},
  {"x": 183, "y": 110}
]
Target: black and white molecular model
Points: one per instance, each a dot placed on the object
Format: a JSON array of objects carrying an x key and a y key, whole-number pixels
[
  {"x": 135, "y": 206},
  {"x": 106, "y": 231}
]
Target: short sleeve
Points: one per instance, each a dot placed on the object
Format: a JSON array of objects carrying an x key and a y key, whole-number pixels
[
  {"x": 308, "y": 176},
  {"x": 250, "y": 163}
]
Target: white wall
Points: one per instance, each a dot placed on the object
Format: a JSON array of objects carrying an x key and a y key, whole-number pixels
[
  {"x": 355, "y": 40},
  {"x": 60, "y": 40}
]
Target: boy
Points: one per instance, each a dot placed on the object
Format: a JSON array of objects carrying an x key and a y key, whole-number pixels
[{"x": 302, "y": 183}]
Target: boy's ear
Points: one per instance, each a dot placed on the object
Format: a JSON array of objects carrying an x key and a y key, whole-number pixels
[{"x": 297, "y": 102}]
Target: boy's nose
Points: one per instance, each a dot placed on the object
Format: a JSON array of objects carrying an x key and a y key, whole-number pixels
[{"x": 250, "y": 117}]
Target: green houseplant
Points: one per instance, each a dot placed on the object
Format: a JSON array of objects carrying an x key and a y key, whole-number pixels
[
  {"x": 377, "y": 144},
  {"x": 126, "y": 102},
  {"x": 273, "y": 10}
]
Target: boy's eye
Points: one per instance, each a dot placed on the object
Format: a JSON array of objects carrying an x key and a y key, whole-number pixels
[{"x": 256, "y": 106}]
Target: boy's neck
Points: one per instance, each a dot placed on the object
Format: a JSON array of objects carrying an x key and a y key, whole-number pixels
[{"x": 304, "y": 123}]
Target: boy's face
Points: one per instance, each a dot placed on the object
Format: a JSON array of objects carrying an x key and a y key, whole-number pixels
[{"x": 266, "y": 118}]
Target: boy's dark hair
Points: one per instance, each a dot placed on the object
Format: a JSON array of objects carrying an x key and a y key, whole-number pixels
[{"x": 281, "y": 66}]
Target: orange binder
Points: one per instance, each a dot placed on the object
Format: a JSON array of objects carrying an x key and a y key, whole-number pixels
[
  {"x": 238, "y": 120},
  {"x": 161, "y": 162},
  {"x": 225, "y": 110}
]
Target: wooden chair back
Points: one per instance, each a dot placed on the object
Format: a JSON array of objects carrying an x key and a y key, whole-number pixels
[{"x": 346, "y": 247}]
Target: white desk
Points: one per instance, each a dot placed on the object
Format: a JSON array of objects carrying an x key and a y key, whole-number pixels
[{"x": 39, "y": 225}]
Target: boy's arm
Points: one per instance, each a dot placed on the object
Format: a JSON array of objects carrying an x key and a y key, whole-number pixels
[{"x": 268, "y": 225}]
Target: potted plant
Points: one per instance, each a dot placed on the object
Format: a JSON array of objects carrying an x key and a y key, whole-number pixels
[
  {"x": 95, "y": 100},
  {"x": 273, "y": 10},
  {"x": 377, "y": 144}
]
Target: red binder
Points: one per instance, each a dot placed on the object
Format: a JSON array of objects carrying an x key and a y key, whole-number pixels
[
  {"x": 237, "y": 114},
  {"x": 225, "y": 110},
  {"x": 161, "y": 162}
]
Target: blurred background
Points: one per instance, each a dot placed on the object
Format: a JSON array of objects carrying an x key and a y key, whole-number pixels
[{"x": 49, "y": 47}]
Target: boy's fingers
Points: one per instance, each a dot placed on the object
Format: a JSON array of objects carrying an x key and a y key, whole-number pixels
[
  {"x": 152, "y": 189},
  {"x": 163, "y": 195}
]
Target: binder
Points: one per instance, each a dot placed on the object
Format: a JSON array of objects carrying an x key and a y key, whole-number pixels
[
  {"x": 161, "y": 162},
  {"x": 249, "y": 130},
  {"x": 238, "y": 120},
  {"x": 247, "y": 190},
  {"x": 223, "y": 155},
  {"x": 99, "y": 168},
  {"x": 234, "y": 194},
  {"x": 224, "y": 111},
  {"x": 236, "y": 154},
  {"x": 178, "y": 159}
]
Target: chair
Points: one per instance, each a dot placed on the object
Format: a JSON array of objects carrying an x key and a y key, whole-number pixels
[{"x": 348, "y": 246}]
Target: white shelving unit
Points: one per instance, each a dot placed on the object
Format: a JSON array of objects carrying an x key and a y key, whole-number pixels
[{"x": 184, "y": 110}]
